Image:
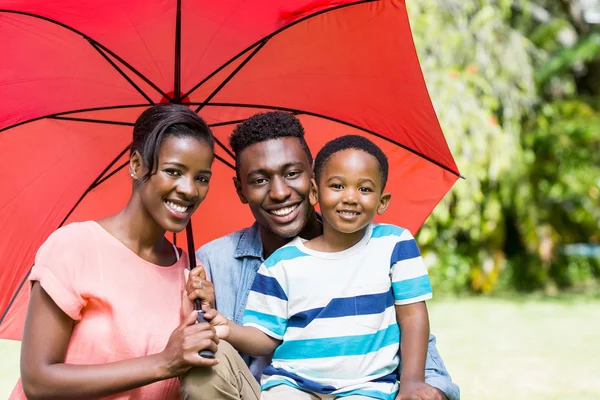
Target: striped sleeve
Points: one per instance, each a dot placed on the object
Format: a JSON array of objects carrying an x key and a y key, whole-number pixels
[
  {"x": 410, "y": 282},
  {"x": 266, "y": 308}
]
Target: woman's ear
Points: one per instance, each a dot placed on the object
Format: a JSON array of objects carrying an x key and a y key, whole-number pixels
[
  {"x": 313, "y": 195},
  {"x": 135, "y": 165}
]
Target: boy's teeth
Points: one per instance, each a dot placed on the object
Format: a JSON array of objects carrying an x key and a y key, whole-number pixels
[
  {"x": 348, "y": 213},
  {"x": 176, "y": 207},
  {"x": 282, "y": 212}
]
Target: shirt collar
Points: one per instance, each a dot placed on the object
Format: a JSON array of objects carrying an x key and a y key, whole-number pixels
[{"x": 250, "y": 243}]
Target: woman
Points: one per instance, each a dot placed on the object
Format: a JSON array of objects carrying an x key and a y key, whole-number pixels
[{"x": 107, "y": 297}]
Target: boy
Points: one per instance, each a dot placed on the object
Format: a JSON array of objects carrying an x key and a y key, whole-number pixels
[{"x": 328, "y": 306}]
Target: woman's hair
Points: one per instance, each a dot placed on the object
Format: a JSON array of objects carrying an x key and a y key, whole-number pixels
[{"x": 161, "y": 121}]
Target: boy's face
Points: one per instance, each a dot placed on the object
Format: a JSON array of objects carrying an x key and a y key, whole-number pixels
[
  {"x": 274, "y": 180},
  {"x": 349, "y": 191}
]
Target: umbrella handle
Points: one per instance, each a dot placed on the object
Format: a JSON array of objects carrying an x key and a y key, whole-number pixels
[{"x": 197, "y": 303}]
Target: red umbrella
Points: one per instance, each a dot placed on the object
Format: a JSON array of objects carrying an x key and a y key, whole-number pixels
[{"x": 76, "y": 74}]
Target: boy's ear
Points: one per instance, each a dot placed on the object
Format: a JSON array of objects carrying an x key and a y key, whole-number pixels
[
  {"x": 135, "y": 165},
  {"x": 238, "y": 190},
  {"x": 384, "y": 202},
  {"x": 313, "y": 195}
]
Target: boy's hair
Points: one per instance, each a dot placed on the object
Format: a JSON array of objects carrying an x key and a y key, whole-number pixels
[
  {"x": 266, "y": 126},
  {"x": 351, "y": 142}
]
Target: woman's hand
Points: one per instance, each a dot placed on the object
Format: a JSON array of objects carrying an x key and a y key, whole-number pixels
[
  {"x": 181, "y": 352},
  {"x": 199, "y": 287}
]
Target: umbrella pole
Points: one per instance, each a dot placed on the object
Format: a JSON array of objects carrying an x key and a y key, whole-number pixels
[{"x": 197, "y": 302}]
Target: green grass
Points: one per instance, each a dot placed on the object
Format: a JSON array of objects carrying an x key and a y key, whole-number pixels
[{"x": 522, "y": 348}]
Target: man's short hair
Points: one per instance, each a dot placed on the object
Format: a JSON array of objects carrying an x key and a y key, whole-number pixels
[
  {"x": 267, "y": 126},
  {"x": 351, "y": 142}
]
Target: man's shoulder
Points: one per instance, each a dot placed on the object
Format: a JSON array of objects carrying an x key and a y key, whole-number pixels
[{"x": 224, "y": 243}]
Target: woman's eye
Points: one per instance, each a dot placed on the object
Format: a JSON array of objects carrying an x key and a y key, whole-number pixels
[{"x": 172, "y": 172}]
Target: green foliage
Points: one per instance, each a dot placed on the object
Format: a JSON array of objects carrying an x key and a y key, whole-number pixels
[{"x": 506, "y": 92}]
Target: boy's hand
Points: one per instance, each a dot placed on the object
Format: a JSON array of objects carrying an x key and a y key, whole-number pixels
[
  {"x": 419, "y": 391},
  {"x": 219, "y": 322}
]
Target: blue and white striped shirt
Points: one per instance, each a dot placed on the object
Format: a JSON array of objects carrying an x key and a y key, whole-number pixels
[{"x": 334, "y": 312}]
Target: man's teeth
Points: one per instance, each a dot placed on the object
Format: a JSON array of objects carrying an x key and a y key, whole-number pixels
[
  {"x": 176, "y": 207},
  {"x": 282, "y": 212}
]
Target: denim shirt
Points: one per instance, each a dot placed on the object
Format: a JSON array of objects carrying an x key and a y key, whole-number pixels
[{"x": 232, "y": 262}]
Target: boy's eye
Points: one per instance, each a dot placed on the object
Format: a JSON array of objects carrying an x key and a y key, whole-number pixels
[
  {"x": 365, "y": 189},
  {"x": 336, "y": 186}
]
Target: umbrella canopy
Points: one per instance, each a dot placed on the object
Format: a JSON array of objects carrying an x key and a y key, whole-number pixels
[{"x": 76, "y": 74}]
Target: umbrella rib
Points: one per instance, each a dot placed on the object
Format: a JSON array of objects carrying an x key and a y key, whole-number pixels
[
  {"x": 73, "y": 112},
  {"x": 99, "y": 182},
  {"x": 233, "y": 73},
  {"x": 97, "y": 121},
  {"x": 89, "y": 39},
  {"x": 292, "y": 110},
  {"x": 269, "y": 36},
  {"x": 123, "y": 74},
  {"x": 12, "y": 299},
  {"x": 221, "y": 145},
  {"x": 177, "y": 69}
]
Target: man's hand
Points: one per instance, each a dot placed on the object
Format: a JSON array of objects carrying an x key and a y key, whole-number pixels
[
  {"x": 198, "y": 287},
  {"x": 419, "y": 391}
]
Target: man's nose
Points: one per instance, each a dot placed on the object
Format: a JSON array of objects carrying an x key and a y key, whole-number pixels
[{"x": 279, "y": 189}]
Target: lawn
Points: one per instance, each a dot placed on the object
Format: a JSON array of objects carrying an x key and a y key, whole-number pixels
[{"x": 494, "y": 348}]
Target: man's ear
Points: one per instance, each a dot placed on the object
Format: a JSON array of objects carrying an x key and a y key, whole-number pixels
[
  {"x": 313, "y": 195},
  {"x": 238, "y": 190},
  {"x": 384, "y": 202},
  {"x": 135, "y": 165}
]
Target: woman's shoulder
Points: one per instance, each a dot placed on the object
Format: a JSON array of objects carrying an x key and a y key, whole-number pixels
[{"x": 73, "y": 236}]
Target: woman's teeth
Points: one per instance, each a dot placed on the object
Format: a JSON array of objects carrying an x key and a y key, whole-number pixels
[
  {"x": 176, "y": 207},
  {"x": 282, "y": 212}
]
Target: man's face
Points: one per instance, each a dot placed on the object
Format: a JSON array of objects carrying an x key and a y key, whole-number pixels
[{"x": 274, "y": 180}]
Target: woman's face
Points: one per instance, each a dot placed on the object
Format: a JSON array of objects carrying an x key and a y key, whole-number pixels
[{"x": 172, "y": 194}]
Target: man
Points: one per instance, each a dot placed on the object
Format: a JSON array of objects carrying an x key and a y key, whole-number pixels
[{"x": 273, "y": 172}]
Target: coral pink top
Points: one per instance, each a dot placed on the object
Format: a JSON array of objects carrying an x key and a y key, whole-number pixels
[{"x": 122, "y": 305}]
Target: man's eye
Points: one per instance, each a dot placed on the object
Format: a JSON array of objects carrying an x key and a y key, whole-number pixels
[
  {"x": 292, "y": 174},
  {"x": 259, "y": 181},
  {"x": 203, "y": 179}
]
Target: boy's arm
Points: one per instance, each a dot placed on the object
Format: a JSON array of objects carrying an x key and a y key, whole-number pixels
[
  {"x": 414, "y": 327},
  {"x": 251, "y": 340}
]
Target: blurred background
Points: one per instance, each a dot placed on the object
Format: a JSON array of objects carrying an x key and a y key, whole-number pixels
[{"x": 514, "y": 249}]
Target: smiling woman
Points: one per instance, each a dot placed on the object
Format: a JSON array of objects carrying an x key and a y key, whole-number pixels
[{"x": 87, "y": 332}]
